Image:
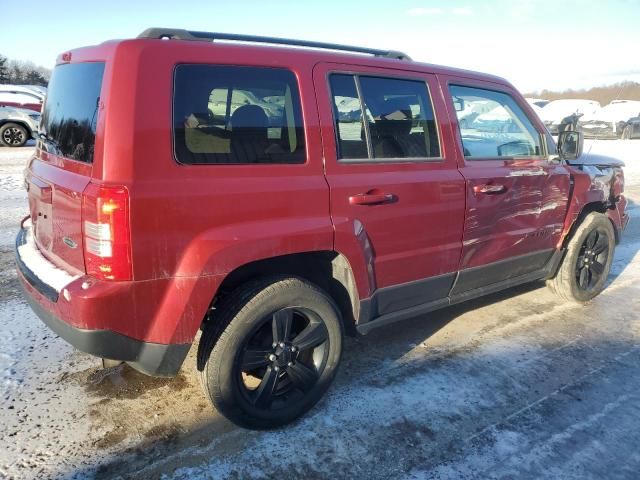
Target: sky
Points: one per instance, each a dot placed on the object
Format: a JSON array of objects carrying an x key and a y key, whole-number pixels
[{"x": 535, "y": 44}]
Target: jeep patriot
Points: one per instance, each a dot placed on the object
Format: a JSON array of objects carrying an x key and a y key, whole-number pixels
[{"x": 279, "y": 194}]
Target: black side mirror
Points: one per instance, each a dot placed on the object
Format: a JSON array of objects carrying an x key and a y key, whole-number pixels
[{"x": 570, "y": 144}]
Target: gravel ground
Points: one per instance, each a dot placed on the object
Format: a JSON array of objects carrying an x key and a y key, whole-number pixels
[{"x": 515, "y": 385}]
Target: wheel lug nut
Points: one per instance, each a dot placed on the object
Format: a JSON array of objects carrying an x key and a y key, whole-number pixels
[
  {"x": 272, "y": 357},
  {"x": 294, "y": 348},
  {"x": 274, "y": 345},
  {"x": 281, "y": 344},
  {"x": 276, "y": 368},
  {"x": 290, "y": 364}
]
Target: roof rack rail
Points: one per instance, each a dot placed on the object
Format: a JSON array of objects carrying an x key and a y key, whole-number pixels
[{"x": 180, "y": 34}]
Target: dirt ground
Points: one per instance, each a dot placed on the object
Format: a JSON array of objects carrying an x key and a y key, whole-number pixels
[{"x": 514, "y": 385}]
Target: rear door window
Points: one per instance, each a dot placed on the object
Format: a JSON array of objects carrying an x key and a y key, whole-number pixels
[
  {"x": 70, "y": 113},
  {"x": 492, "y": 125},
  {"x": 383, "y": 118},
  {"x": 237, "y": 115}
]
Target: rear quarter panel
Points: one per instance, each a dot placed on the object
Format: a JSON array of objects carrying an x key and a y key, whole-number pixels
[{"x": 200, "y": 221}]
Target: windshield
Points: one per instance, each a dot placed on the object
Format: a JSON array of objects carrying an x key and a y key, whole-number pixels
[{"x": 70, "y": 113}]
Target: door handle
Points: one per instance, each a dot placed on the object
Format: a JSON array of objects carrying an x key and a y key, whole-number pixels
[
  {"x": 371, "y": 198},
  {"x": 490, "y": 189}
]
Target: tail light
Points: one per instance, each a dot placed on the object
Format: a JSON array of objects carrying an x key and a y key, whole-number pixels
[{"x": 106, "y": 238}]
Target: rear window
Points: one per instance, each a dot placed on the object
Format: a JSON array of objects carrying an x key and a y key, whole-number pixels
[
  {"x": 71, "y": 110},
  {"x": 236, "y": 115}
]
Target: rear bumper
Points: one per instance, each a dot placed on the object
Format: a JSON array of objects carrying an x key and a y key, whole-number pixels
[{"x": 151, "y": 358}]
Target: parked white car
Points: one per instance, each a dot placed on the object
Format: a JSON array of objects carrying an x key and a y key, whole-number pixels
[
  {"x": 472, "y": 110},
  {"x": 538, "y": 102},
  {"x": 499, "y": 119},
  {"x": 566, "y": 111},
  {"x": 17, "y": 126},
  {"x": 22, "y": 96},
  {"x": 611, "y": 121}
]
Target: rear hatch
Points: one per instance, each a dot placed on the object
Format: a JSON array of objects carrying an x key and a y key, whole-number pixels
[{"x": 61, "y": 170}]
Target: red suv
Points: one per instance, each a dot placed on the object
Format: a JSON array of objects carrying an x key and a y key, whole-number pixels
[{"x": 277, "y": 198}]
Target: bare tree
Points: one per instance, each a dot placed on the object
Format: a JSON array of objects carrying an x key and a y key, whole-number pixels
[
  {"x": 4, "y": 71},
  {"x": 19, "y": 72},
  {"x": 604, "y": 95}
]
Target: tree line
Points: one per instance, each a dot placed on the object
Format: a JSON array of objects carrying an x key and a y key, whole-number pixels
[
  {"x": 19, "y": 72},
  {"x": 604, "y": 94}
]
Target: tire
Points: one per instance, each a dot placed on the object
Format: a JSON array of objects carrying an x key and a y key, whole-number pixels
[
  {"x": 13, "y": 134},
  {"x": 258, "y": 385},
  {"x": 626, "y": 133},
  {"x": 584, "y": 270}
]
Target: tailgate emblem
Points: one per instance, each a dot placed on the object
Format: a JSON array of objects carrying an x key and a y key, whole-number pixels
[{"x": 69, "y": 243}]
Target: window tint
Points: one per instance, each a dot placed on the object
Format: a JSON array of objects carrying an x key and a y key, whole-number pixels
[
  {"x": 237, "y": 115},
  {"x": 399, "y": 118},
  {"x": 71, "y": 109},
  {"x": 493, "y": 125}
]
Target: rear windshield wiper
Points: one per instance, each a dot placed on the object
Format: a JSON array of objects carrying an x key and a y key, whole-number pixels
[{"x": 49, "y": 140}]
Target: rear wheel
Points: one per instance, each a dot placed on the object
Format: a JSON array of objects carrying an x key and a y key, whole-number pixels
[
  {"x": 272, "y": 352},
  {"x": 586, "y": 265},
  {"x": 13, "y": 135}
]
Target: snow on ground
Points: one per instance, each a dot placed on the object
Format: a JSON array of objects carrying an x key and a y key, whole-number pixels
[
  {"x": 516, "y": 385},
  {"x": 13, "y": 197}
]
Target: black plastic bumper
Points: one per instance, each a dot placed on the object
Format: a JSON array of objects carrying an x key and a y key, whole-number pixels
[{"x": 150, "y": 358}]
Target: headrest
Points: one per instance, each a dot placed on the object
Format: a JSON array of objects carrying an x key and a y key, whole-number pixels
[{"x": 249, "y": 117}]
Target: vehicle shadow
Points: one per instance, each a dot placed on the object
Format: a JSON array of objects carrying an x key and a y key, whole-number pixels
[
  {"x": 386, "y": 356},
  {"x": 363, "y": 356},
  {"x": 403, "y": 349}
]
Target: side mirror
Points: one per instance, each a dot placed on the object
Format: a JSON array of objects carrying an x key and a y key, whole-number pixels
[{"x": 570, "y": 144}]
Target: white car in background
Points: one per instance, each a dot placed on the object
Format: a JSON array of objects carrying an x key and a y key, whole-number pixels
[
  {"x": 17, "y": 126},
  {"x": 22, "y": 96},
  {"x": 567, "y": 111},
  {"x": 538, "y": 102},
  {"x": 611, "y": 121},
  {"x": 472, "y": 110},
  {"x": 498, "y": 119}
]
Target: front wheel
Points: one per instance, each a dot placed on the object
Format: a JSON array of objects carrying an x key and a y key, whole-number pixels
[
  {"x": 585, "y": 268},
  {"x": 272, "y": 352}
]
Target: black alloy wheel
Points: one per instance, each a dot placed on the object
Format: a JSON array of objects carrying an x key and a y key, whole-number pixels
[
  {"x": 587, "y": 260},
  {"x": 270, "y": 351},
  {"x": 592, "y": 260},
  {"x": 284, "y": 358}
]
